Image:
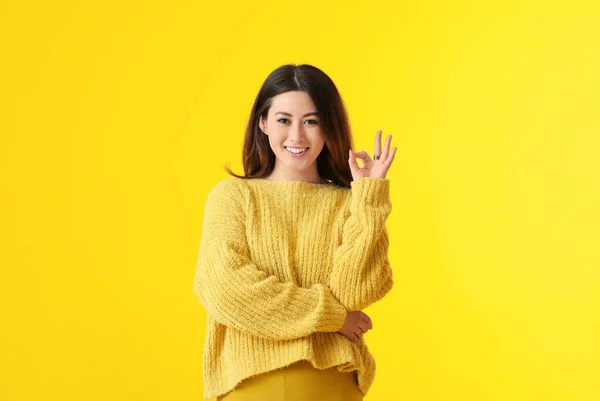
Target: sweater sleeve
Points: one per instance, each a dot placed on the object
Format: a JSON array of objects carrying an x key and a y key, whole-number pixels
[
  {"x": 238, "y": 294},
  {"x": 361, "y": 273}
]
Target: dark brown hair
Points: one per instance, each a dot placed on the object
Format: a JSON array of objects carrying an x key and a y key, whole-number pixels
[{"x": 258, "y": 159}]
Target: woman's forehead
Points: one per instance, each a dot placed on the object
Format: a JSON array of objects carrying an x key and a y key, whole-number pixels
[{"x": 296, "y": 103}]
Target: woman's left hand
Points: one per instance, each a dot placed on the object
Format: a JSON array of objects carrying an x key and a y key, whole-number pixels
[{"x": 376, "y": 167}]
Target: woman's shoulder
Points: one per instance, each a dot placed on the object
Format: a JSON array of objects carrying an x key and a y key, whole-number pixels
[
  {"x": 232, "y": 183},
  {"x": 226, "y": 183},
  {"x": 227, "y": 191}
]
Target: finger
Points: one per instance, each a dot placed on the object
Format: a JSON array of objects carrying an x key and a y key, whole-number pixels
[
  {"x": 390, "y": 159},
  {"x": 386, "y": 148},
  {"x": 364, "y": 326},
  {"x": 366, "y": 157},
  {"x": 352, "y": 161},
  {"x": 367, "y": 319},
  {"x": 377, "y": 143},
  {"x": 363, "y": 155}
]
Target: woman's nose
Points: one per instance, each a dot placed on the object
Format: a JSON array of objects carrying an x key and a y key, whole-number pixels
[{"x": 296, "y": 131}]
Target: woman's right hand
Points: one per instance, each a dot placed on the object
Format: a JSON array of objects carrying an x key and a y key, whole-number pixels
[{"x": 356, "y": 324}]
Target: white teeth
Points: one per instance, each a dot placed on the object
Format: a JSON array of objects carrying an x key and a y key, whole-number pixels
[{"x": 296, "y": 150}]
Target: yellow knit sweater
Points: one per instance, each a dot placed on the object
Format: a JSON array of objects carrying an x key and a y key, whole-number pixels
[{"x": 280, "y": 263}]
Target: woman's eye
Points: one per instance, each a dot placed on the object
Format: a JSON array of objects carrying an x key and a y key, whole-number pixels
[{"x": 285, "y": 121}]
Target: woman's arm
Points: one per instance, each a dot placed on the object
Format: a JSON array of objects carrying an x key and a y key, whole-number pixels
[
  {"x": 238, "y": 294},
  {"x": 361, "y": 272}
]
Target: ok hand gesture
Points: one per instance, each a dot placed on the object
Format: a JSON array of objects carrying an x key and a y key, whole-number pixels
[{"x": 376, "y": 168}]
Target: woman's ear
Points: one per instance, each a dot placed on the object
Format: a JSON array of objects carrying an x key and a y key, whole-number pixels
[{"x": 261, "y": 125}]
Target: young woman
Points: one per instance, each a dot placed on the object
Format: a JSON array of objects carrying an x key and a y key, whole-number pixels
[{"x": 294, "y": 249}]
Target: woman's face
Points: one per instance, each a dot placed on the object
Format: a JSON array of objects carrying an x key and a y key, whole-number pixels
[{"x": 292, "y": 121}]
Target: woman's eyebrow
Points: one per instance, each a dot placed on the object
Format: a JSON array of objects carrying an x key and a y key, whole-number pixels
[{"x": 314, "y": 113}]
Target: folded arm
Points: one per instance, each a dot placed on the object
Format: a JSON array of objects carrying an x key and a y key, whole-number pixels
[{"x": 238, "y": 294}]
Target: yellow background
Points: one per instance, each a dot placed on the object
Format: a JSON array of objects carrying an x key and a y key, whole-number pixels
[{"x": 117, "y": 117}]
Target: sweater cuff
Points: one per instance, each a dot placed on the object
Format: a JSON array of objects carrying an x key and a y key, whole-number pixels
[
  {"x": 333, "y": 314},
  {"x": 371, "y": 190}
]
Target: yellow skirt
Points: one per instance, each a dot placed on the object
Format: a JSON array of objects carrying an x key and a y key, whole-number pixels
[{"x": 299, "y": 381}]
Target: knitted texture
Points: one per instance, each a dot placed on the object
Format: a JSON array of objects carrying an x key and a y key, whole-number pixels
[{"x": 280, "y": 264}]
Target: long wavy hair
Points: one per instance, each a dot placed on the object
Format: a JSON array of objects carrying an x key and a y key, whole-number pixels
[{"x": 258, "y": 159}]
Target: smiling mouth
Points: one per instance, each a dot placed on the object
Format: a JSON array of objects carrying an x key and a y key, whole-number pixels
[{"x": 295, "y": 151}]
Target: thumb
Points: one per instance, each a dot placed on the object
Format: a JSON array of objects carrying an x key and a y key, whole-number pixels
[{"x": 352, "y": 161}]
